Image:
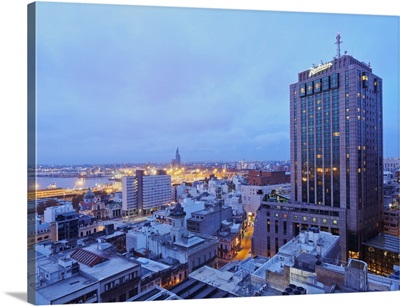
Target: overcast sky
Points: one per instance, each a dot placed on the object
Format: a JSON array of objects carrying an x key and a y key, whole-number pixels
[{"x": 124, "y": 83}]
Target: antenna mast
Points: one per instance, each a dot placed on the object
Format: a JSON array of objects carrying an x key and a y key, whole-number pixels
[{"x": 338, "y": 41}]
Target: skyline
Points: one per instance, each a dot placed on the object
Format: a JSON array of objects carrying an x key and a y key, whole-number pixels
[
  {"x": 106, "y": 94},
  {"x": 14, "y": 123}
]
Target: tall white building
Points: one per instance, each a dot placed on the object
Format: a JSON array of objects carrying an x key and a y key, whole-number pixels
[{"x": 142, "y": 193}]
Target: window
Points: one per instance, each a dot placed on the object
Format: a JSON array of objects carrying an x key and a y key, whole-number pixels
[
  {"x": 364, "y": 80},
  {"x": 325, "y": 83},
  {"x": 310, "y": 88},
  {"x": 109, "y": 286},
  {"x": 317, "y": 86},
  {"x": 302, "y": 90},
  {"x": 334, "y": 81}
]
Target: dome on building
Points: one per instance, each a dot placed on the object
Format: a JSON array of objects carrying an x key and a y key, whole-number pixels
[
  {"x": 89, "y": 195},
  {"x": 177, "y": 211}
]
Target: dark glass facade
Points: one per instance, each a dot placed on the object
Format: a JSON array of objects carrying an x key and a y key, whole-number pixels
[
  {"x": 336, "y": 147},
  {"x": 381, "y": 253},
  {"x": 336, "y": 153}
]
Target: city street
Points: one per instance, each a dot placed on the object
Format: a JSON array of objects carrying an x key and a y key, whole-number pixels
[{"x": 246, "y": 244}]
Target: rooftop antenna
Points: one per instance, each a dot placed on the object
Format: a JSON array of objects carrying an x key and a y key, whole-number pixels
[{"x": 338, "y": 41}]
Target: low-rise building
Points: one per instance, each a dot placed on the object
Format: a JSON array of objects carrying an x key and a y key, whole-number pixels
[
  {"x": 353, "y": 277},
  {"x": 230, "y": 238},
  {"x": 391, "y": 221},
  {"x": 92, "y": 274},
  {"x": 208, "y": 221},
  {"x": 296, "y": 260},
  {"x": 195, "y": 289},
  {"x": 391, "y": 164},
  {"x": 195, "y": 250},
  {"x": 189, "y": 206},
  {"x": 382, "y": 253},
  {"x": 279, "y": 220},
  {"x": 41, "y": 231},
  {"x": 155, "y": 293},
  {"x": 263, "y": 178},
  {"x": 164, "y": 273}
]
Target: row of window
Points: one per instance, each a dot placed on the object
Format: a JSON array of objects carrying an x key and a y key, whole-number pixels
[
  {"x": 120, "y": 281},
  {"x": 316, "y": 86}
]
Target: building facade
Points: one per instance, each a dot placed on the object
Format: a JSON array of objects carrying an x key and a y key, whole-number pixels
[
  {"x": 209, "y": 220},
  {"x": 391, "y": 164},
  {"x": 252, "y": 196},
  {"x": 382, "y": 254},
  {"x": 264, "y": 178},
  {"x": 143, "y": 193}
]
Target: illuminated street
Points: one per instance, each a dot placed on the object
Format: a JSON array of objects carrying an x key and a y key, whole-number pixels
[{"x": 246, "y": 244}]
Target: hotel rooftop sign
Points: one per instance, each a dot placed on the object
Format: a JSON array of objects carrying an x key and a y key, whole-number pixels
[{"x": 319, "y": 68}]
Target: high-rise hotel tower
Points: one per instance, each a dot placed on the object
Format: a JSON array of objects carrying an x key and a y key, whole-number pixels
[
  {"x": 336, "y": 160},
  {"x": 336, "y": 147}
]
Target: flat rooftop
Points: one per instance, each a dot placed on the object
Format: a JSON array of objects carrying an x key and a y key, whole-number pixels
[
  {"x": 154, "y": 266},
  {"x": 385, "y": 242},
  {"x": 225, "y": 280},
  {"x": 64, "y": 287},
  {"x": 311, "y": 242},
  {"x": 154, "y": 293},
  {"x": 307, "y": 242},
  {"x": 195, "y": 289}
]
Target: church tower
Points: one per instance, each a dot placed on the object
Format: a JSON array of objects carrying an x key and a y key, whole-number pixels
[
  {"x": 178, "y": 229},
  {"x": 177, "y": 157}
]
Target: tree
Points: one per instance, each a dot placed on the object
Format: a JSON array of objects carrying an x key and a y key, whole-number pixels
[
  {"x": 76, "y": 200},
  {"x": 41, "y": 207}
]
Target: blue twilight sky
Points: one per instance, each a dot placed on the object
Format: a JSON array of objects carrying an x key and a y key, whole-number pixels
[{"x": 124, "y": 83}]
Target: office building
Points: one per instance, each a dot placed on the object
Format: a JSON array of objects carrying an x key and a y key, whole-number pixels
[
  {"x": 336, "y": 154},
  {"x": 141, "y": 194}
]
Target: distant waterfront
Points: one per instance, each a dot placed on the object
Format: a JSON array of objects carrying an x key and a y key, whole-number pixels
[{"x": 71, "y": 182}]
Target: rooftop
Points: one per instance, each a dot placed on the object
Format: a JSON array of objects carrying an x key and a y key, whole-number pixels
[
  {"x": 223, "y": 279},
  {"x": 63, "y": 288},
  {"x": 114, "y": 265},
  {"x": 195, "y": 289},
  {"x": 310, "y": 242},
  {"x": 151, "y": 265},
  {"x": 154, "y": 293},
  {"x": 385, "y": 242}
]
